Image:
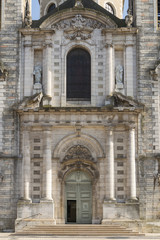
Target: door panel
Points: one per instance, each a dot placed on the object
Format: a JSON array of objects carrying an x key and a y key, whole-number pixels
[{"x": 81, "y": 192}]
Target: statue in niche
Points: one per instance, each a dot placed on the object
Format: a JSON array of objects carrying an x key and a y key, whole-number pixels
[
  {"x": 119, "y": 74},
  {"x": 37, "y": 73}
]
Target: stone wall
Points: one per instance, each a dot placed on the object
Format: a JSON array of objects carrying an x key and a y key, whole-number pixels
[
  {"x": 9, "y": 94},
  {"x": 148, "y": 93}
]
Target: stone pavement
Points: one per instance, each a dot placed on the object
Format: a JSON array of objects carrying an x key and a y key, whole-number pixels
[{"x": 10, "y": 236}]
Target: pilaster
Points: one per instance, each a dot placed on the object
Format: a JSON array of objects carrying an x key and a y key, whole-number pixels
[{"x": 47, "y": 159}]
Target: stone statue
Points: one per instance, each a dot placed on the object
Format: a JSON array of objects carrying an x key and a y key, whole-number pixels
[
  {"x": 27, "y": 18},
  {"x": 3, "y": 70},
  {"x": 129, "y": 18},
  {"x": 37, "y": 73},
  {"x": 78, "y": 4},
  {"x": 119, "y": 74}
]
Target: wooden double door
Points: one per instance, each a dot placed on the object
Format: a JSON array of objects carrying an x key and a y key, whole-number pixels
[{"x": 78, "y": 198}]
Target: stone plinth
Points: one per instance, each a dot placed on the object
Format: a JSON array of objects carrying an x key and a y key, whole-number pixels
[
  {"x": 34, "y": 211},
  {"x": 113, "y": 210}
]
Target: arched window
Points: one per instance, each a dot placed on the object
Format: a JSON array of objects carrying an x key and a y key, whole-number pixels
[
  {"x": 78, "y": 75},
  {"x": 109, "y": 8},
  {"x": 51, "y": 7}
]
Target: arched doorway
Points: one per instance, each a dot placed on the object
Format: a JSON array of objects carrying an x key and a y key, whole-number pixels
[{"x": 78, "y": 198}]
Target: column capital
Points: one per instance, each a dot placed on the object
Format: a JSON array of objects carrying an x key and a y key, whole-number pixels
[
  {"x": 46, "y": 128},
  {"x": 109, "y": 128},
  {"x": 109, "y": 45},
  {"x": 129, "y": 44},
  {"x": 132, "y": 127},
  {"x": 48, "y": 45},
  {"x": 26, "y": 129}
]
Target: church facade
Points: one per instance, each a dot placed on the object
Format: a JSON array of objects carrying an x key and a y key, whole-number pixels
[{"x": 80, "y": 129}]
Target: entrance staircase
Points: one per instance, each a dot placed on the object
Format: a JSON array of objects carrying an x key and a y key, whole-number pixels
[{"x": 79, "y": 230}]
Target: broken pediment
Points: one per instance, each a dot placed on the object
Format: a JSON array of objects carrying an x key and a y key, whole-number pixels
[
  {"x": 78, "y": 22},
  {"x": 119, "y": 100},
  {"x": 32, "y": 102},
  {"x": 78, "y": 27}
]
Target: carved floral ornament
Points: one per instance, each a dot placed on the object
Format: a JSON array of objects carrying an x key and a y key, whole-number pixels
[
  {"x": 78, "y": 152},
  {"x": 78, "y": 27}
]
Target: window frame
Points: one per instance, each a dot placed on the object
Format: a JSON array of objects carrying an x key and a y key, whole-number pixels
[
  {"x": 88, "y": 97},
  {"x": 48, "y": 5},
  {"x": 111, "y": 6},
  {"x": 52, "y": 4}
]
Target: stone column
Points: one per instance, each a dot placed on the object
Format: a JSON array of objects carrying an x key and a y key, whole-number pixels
[
  {"x": 28, "y": 66},
  {"x": 110, "y": 69},
  {"x": 129, "y": 68},
  {"x": 132, "y": 164},
  {"x": 26, "y": 167},
  {"x": 47, "y": 160},
  {"x": 47, "y": 75},
  {"x": 110, "y": 185}
]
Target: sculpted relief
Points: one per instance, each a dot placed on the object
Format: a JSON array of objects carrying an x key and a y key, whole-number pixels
[
  {"x": 78, "y": 27},
  {"x": 78, "y": 22}
]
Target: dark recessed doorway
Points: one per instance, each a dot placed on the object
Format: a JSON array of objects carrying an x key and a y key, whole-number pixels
[{"x": 71, "y": 211}]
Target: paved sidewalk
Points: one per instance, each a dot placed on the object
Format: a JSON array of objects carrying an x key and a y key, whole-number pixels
[{"x": 10, "y": 236}]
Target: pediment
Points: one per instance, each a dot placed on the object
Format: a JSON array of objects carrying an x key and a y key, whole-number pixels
[
  {"x": 76, "y": 20},
  {"x": 120, "y": 100}
]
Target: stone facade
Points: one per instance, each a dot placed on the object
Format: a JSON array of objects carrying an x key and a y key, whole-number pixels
[{"x": 112, "y": 136}]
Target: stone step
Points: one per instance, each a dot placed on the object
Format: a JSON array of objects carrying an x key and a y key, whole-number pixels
[{"x": 78, "y": 230}]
